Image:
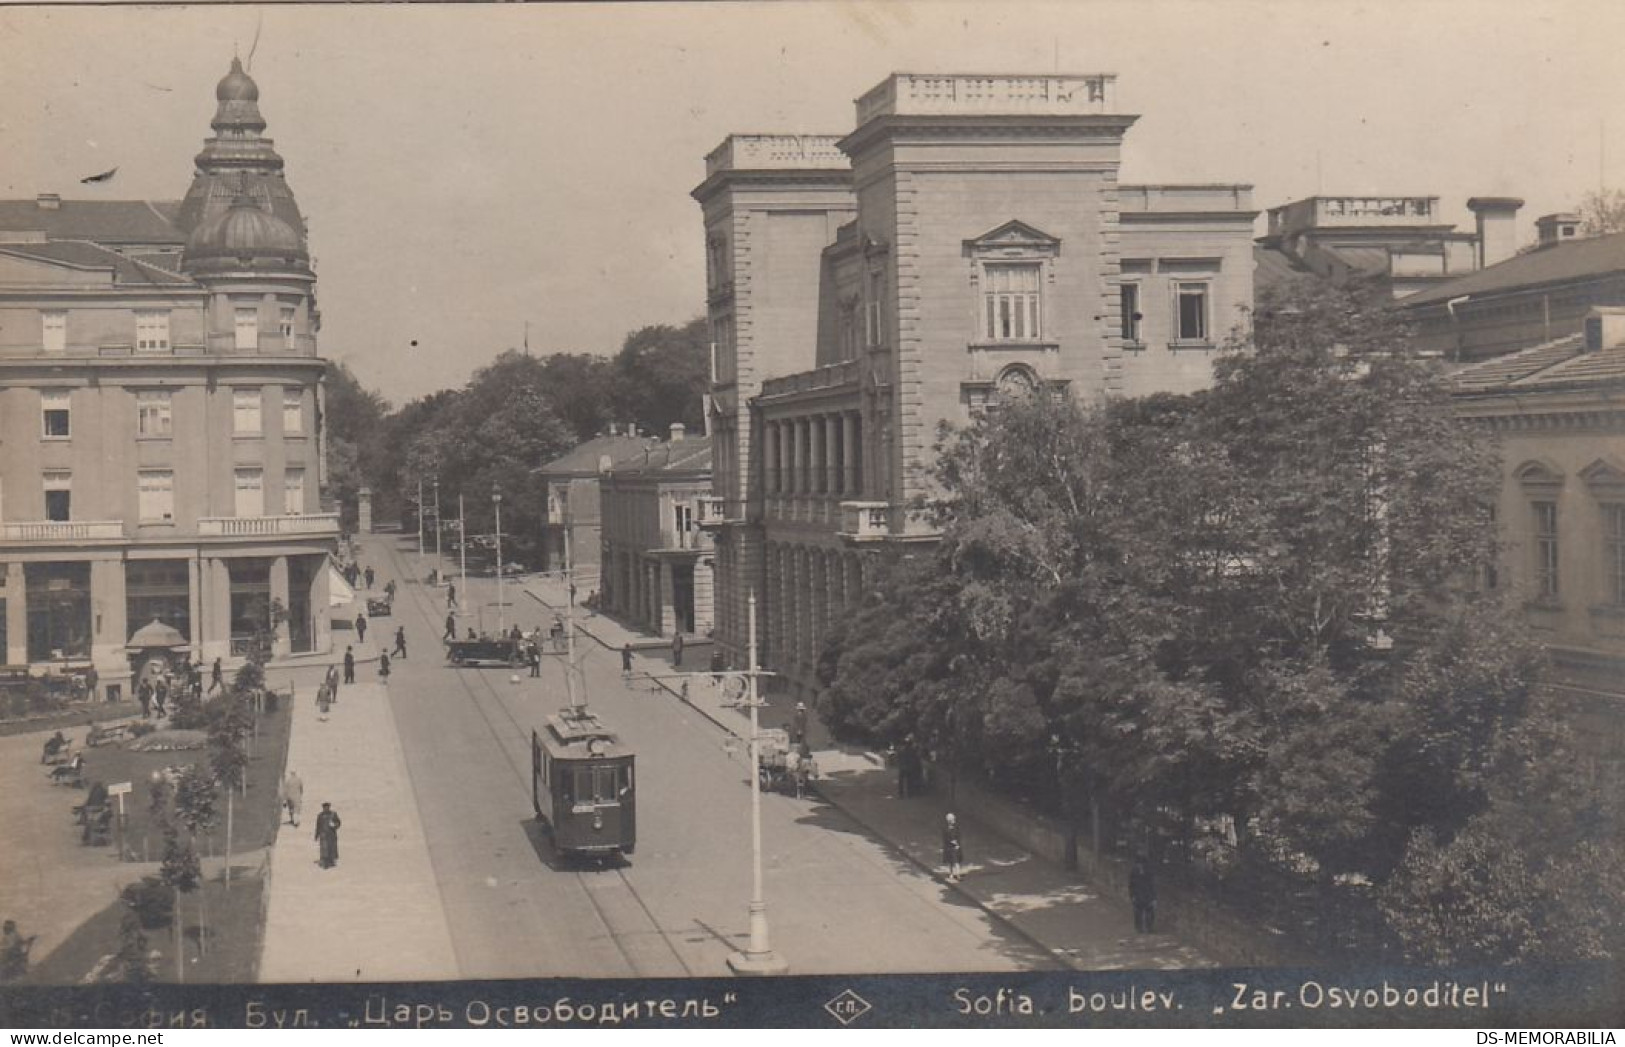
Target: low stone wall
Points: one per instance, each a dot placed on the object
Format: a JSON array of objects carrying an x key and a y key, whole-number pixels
[{"x": 1228, "y": 937}]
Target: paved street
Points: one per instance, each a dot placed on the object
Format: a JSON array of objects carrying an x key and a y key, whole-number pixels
[{"x": 839, "y": 900}]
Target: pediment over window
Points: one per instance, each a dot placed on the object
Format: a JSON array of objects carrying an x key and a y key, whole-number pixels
[
  {"x": 1605, "y": 478},
  {"x": 1014, "y": 235},
  {"x": 1539, "y": 474}
]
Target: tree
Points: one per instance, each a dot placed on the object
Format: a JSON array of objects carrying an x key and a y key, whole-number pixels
[
  {"x": 353, "y": 427},
  {"x": 195, "y": 811},
  {"x": 661, "y": 375},
  {"x": 1603, "y": 212}
]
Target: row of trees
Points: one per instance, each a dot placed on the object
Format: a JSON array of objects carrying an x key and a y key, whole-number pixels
[
  {"x": 1257, "y": 607},
  {"x": 514, "y": 415}
]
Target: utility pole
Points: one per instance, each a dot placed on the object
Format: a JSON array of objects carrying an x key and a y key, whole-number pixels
[
  {"x": 420, "y": 525},
  {"x": 496, "y": 500},
  {"x": 439, "y": 564},
  {"x": 462, "y": 543},
  {"x": 759, "y": 957}
]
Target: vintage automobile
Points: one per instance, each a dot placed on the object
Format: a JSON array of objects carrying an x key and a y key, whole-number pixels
[
  {"x": 379, "y": 606},
  {"x": 485, "y": 652}
]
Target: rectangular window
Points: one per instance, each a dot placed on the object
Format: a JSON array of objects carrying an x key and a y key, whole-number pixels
[
  {"x": 54, "y": 410},
  {"x": 245, "y": 411},
  {"x": 1546, "y": 576},
  {"x": 248, "y": 328},
  {"x": 1010, "y": 301},
  {"x": 286, "y": 326},
  {"x": 54, "y": 330},
  {"x": 293, "y": 412},
  {"x": 250, "y": 485},
  {"x": 153, "y": 415},
  {"x": 156, "y": 494},
  {"x": 293, "y": 492},
  {"x": 152, "y": 331},
  {"x": 58, "y": 496},
  {"x": 1190, "y": 308},
  {"x": 1128, "y": 300},
  {"x": 1614, "y": 561}
]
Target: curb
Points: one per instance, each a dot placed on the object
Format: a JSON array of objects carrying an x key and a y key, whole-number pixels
[{"x": 929, "y": 870}]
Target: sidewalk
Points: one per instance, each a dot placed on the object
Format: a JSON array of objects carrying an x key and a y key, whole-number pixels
[
  {"x": 377, "y": 916},
  {"x": 1051, "y": 907}
]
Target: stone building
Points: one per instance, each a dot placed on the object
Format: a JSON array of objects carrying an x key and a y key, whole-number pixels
[
  {"x": 571, "y": 536},
  {"x": 160, "y": 416},
  {"x": 967, "y": 243},
  {"x": 656, "y": 569}
]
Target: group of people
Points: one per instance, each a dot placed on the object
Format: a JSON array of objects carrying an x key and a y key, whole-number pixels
[
  {"x": 354, "y": 573},
  {"x": 327, "y": 822}
]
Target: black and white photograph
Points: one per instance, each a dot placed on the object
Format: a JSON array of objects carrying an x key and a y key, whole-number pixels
[{"x": 838, "y": 515}]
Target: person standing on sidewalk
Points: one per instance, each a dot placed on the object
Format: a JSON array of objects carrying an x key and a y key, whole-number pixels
[
  {"x": 451, "y": 598},
  {"x": 400, "y": 642},
  {"x": 369, "y": 576},
  {"x": 451, "y": 628},
  {"x": 953, "y": 848},
  {"x": 332, "y": 682},
  {"x": 360, "y": 628},
  {"x": 798, "y": 728},
  {"x": 677, "y": 649},
  {"x": 534, "y": 654},
  {"x": 626, "y": 659},
  {"x": 349, "y": 665},
  {"x": 572, "y": 594},
  {"x": 327, "y": 836},
  {"x": 383, "y": 666},
  {"x": 217, "y": 676},
  {"x": 293, "y": 796},
  {"x": 1142, "y": 891}
]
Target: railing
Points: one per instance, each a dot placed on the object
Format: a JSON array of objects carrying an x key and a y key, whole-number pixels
[
  {"x": 713, "y": 510},
  {"x": 906, "y": 94},
  {"x": 830, "y": 376},
  {"x": 865, "y": 521},
  {"x": 63, "y": 530},
  {"x": 776, "y": 152},
  {"x": 308, "y": 524}
]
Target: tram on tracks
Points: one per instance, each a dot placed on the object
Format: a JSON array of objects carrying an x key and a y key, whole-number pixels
[{"x": 583, "y": 787}]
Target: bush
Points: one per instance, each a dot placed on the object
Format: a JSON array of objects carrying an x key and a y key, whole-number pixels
[
  {"x": 271, "y": 700},
  {"x": 141, "y": 730},
  {"x": 134, "y": 958},
  {"x": 152, "y": 903}
]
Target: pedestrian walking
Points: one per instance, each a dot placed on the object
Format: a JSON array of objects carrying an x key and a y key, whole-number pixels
[
  {"x": 1142, "y": 892},
  {"x": 324, "y": 700},
  {"x": 332, "y": 681},
  {"x": 327, "y": 836},
  {"x": 677, "y": 649},
  {"x": 143, "y": 694},
  {"x": 953, "y": 849},
  {"x": 293, "y": 796},
  {"x": 389, "y": 590},
  {"x": 626, "y": 659},
  {"x": 349, "y": 665},
  {"x": 217, "y": 676},
  {"x": 400, "y": 642},
  {"x": 572, "y": 594},
  {"x": 451, "y": 597},
  {"x": 383, "y": 666},
  {"x": 451, "y": 628},
  {"x": 368, "y": 574},
  {"x": 360, "y": 628},
  {"x": 535, "y": 654}
]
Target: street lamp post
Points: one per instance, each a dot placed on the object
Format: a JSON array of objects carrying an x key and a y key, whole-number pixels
[
  {"x": 420, "y": 525},
  {"x": 758, "y": 958},
  {"x": 462, "y": 543},
  {"x": 496, "y": 500},
  {"x": 439, "y": 563}
]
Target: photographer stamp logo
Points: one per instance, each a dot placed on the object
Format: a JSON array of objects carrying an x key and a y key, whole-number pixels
[{"x": 848, "y": 1007}]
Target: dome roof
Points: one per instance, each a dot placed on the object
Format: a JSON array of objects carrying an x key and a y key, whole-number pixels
[
  {"x": 237, "y": 86},
  {"x": 157, "y": 634},
  {"x": 245, "y": 233}
]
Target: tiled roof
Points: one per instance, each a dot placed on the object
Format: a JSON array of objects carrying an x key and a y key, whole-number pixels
[
  {"x": 583, "y": 459},
  {"x": 690, "y": 455},
  {"x": 1571, "y": 260},
  {"x": 126, "y": 271},
  {"x": 104, "y": 221},
  {"x": 1561, "y": 364},
  {"x": 1371, "y": 260}
]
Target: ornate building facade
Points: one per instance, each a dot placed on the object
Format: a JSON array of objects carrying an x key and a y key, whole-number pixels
[
  {"x": 160, "y": 417},
  {"x": 968, "y": 242}
]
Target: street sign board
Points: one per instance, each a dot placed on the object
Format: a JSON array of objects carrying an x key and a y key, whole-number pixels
[{"x": 119, "y": 789}]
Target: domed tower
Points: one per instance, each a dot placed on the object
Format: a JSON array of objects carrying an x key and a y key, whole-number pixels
[{"x": 238, "y": 159}]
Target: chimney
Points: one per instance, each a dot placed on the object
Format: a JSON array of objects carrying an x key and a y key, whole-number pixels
[
  {"x": 1556, "y": 228},
  {"x": 1604, "y": 327},
  {"x": 1497, "y": 228},
  {"x": 678, "y": 431},
  {"x": 49, "y": 202},
  {"x": 614, "y": 428}
]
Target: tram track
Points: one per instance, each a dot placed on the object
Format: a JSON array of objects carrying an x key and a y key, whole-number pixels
[{"x": 629, "y": 924}]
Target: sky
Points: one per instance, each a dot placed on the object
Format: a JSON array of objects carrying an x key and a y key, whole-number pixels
[{"x": 468, "y": 169}]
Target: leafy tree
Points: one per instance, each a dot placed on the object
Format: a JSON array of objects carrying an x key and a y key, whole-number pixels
[
  {"x": 353, "y": 422},
  {"x": 1603, "y": 212},
  {"x": 134, "y": 958},
  {"x": 661, "y": 374}
]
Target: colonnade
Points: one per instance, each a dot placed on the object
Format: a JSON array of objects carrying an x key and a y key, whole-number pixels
[{"x": 815, "y": 454}]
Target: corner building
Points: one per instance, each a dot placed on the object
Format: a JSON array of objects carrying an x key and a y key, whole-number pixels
[
  {"x": 968, "y": 243},
  {"x": 160, "y": 418}
]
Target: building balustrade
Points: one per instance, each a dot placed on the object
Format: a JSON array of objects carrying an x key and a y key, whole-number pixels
[
  {"x": 865, "y": 521},
  {"x": 830, "y": 376},
  {"x": 904, "y": 94},
  {"x": 713, "y": 510},
  {"x": 303, "y": 525},
  {"x": 63, "y": 530}
]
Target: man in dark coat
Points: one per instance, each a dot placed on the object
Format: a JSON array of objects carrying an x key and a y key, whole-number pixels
[
  {"x": 677, "y": 649},
  {"x": 626, "y": 658},
  {"x": 451, "y": 597},
  {"x": 1142, "y": 891},
  {"x": 451, "y": 627},
  {"x": 953, "y": 849},
  {"x": 327, "y": 835},
  {"x": 349, "y": 665},
  {"x": 361, "y": 628},
  {"x": 798, "y": 727},
  {"x": 368, "y": 575},
  {"x": 383, "y": 666},
  {"x": 400, "y": 642},
  {"x": 217, "y": 676}
]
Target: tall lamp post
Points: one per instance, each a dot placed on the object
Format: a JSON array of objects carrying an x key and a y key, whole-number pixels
[
  {"x": 462, "y": 543},
  {"x": 758, "y": 958},
  {"x": 439, "y": 563},
  {"x": 496, "y": 501}
]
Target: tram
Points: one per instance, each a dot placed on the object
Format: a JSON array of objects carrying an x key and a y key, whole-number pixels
[{"x": 582, "y": 786}]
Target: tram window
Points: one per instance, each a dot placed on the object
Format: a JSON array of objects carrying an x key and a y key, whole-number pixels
[{"x": 626, "y": 779}]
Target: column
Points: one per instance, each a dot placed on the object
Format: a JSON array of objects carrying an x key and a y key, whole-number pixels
[
  {"x": 832, "y": 454},
  {"x": 667, "y": 619},
  {"x": 849, "y": 455},
  {"x": 16, "y": 614},
  {"x": 770, "y": 459},
  {"x": 281, "y": 644},
  {"x": 322, "y": 627},
  {"x": 815, "y": 454},
  {"x": 194, "y": 603},
  {"x": 797, "y": 476},
  {"x": 216, "y": 621},
  {"x": 109, "y": 629}
]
